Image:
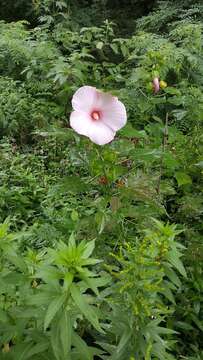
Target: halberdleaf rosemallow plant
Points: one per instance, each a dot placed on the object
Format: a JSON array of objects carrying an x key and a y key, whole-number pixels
[
  {"x": 56, "y": 301},
  {"x": 97, "y": 115}
]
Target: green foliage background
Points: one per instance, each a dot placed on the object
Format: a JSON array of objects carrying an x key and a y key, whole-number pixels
[{"x": 101, "y": 248}]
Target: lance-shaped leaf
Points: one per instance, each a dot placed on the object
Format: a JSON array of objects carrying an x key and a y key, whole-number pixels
[{"x": 87, "y": 310}]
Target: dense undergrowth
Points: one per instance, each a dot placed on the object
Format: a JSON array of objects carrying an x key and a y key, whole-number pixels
[{"x": 101, "y": 247}]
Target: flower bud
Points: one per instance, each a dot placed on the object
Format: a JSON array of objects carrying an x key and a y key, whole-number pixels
[
  {"x": 156, "y": 85},
  {"x": 163, "y": 84}
]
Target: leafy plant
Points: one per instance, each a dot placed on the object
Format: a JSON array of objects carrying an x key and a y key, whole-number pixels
[
  {"x": 46, "y": 303},
  {"x": 57, "y": 301}
]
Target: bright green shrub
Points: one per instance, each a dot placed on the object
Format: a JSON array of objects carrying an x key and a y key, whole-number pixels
[{"x": 46, "y": 305}]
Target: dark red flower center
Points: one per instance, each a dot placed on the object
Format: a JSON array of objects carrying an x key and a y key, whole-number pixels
[{"x": 95, "y": 115}]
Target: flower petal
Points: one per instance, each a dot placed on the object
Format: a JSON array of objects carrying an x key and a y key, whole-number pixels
[
  {"x": 114, "y": 114},
  {"x": 100, "y": 133},
  {"x": 104, "y": 99},
  {"x": 80, "y": 122},
  {"x": 84, "y": 98}
]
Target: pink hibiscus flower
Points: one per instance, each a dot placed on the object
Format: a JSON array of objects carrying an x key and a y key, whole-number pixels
[{"x": 97, "y": 115}]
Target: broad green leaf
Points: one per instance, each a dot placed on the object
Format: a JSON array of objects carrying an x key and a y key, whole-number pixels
[
  {"x": 71, "y": 241},
  {"x": 65, "y": 332},
  {"x": 174, "y": 258},
  {"x": 172, "y": 91},
  {"x": 183, "y": 325},
  {"x": 99, "y": 45},
  {"x": 168, "y": 294},
  {"x": 94, "y": 283},
  {"x": 197, "y": 321},
  {"x": 21, "y": 351},
  {"x": 88, "y": 249},
  {"x": 48, "y": 273},
  {"x": 91, "y": 283},
  {"x": 200, "y": 164},
  {"x": 114, "y": 48},
  {"x": 81, "y": 347},
  {"x": 36, "y": 349},
  {"x": 85, "y": 308},
  {"x": 179, "y": 114},
  {"x": 41, "y": 298},
  {"x": 73, "y": 184},
  {"x": 3, "y": 316},
  {"x": 123, "y": 341},
  {"x": 124, "y": 50},
  {"x": 55, "y": 341},
  {"x": 74, "y": 215},
  {"x": 172, "y": 276},
  {"x": 131, "y": 132},
  {"x": 68, "y": 279},
  {"x": 4, "y": 228},
  {"x": 53, "y": 308},
  {"x": 158, "y": 349},
  {"x": 164, "y": 330},
  {"x": 18, "y": 261},
  {"x": 182, "y": 178}
]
